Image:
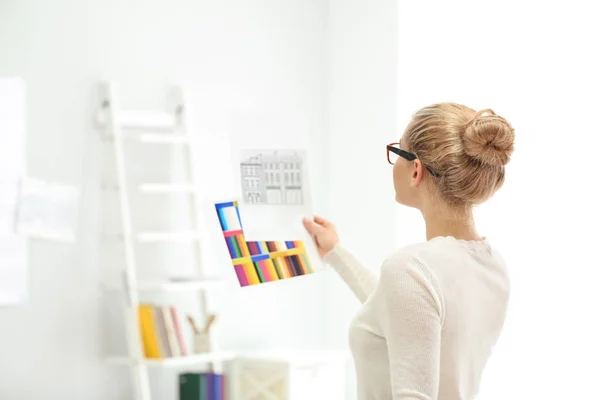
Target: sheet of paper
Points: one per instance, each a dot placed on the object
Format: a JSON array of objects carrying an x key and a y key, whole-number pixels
[
  {"x": 47, "y": 210},
  {"x": 12, "y": 129},
  {"x": 14, "y": 286},
  {"x": 275, "y": 193},
  {"x": 256, "y": 229},
  {"x": 13, "y": 248},
  {"x": 13, "y": 251}
]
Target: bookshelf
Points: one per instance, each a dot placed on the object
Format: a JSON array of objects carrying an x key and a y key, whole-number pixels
[
  {"x": 153, "y": 331},
  {"x": 285, "y": 260},
  {"x": 177, "y": 362}
]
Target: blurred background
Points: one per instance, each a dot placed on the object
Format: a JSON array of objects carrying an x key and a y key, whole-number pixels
[{"x": 343, "y": 77}]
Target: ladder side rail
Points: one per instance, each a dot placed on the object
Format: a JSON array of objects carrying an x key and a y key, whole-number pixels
[{"x": 139, "y": 372}]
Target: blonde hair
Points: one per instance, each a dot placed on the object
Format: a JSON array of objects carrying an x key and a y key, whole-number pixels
[{"x": 466, "y": 149}]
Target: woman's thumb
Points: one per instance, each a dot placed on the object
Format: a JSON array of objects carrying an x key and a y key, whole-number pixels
[{"x": 310, "y": 226}]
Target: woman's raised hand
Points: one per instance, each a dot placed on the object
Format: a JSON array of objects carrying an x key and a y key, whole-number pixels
[{"x": 323, "y": 233}]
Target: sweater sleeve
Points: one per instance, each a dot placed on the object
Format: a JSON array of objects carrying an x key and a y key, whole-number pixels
[
  {"x": 411, "y": 317},
  {"x": 360, "y": 280}
]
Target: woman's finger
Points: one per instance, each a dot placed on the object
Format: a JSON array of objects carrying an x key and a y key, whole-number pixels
[{"x": 323, "y": 222}]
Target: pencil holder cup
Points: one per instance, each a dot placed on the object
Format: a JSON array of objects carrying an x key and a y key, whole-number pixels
[{"x": 201, "y": 342}]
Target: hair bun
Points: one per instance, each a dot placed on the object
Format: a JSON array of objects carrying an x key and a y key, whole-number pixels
[{"x": 489, "y": 139}]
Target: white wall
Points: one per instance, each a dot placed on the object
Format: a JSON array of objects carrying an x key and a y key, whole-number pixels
[
  {"x": 363, "y": 50},
  {"x": 260, "y": 55},
  {"x": 533, "y": 63}
]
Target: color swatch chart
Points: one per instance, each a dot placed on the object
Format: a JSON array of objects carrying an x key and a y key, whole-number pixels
[{"x": 259, "y": 262}]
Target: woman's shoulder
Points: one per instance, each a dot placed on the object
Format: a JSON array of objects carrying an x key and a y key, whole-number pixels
[
  {"x": 430, "y": 256},
  {"x": 418, "y": 253},
  {"x": 442, "y": 258},
  {"x": 409, "y": 260},
  {"x": 445, "y": 247},
  {"x": 405, "y": 276}
]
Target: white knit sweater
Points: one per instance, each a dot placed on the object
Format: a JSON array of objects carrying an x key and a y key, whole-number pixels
[{"x": 428, "y": 325}]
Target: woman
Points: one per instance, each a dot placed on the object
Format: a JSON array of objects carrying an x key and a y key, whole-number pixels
[{"x": 428, "y": 324}]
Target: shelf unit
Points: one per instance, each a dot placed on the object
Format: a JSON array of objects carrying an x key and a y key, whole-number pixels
[
  {"x": 166, "y": 287},
  {"x": 166, "y": 129},
  {"x": 177, "y": 362}
]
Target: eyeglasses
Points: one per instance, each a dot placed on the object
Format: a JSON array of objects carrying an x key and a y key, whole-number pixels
[{"x": 394, "y": 150}]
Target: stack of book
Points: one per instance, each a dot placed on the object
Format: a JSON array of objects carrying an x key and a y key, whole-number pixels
[
  {"x": 162, "y": 331},
  {"x": 201, "y": 386}
]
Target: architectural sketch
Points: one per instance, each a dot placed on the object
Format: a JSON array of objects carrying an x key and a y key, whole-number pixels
[{"x": 272, "y": 177}]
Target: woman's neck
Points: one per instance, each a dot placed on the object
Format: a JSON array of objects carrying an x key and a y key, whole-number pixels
[{"x": 447, "y": 221}]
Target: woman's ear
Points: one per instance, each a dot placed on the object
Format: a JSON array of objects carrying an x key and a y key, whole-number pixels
[{"x": 417, "y": 173}]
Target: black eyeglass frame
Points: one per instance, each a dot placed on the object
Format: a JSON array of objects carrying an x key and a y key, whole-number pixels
[{"x": 404, "y": 154}]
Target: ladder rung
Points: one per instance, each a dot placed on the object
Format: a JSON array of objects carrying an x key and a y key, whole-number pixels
[
  {"x": 164, "y": 138},
  {"x": 166, "y": 188},
  {"x": 143, "y": 120},
  {"x": 152, "y": 237},
  {"x": 173, "y": 286}
]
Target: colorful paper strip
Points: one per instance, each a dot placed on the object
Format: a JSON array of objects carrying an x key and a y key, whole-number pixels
[
  {"x": 241, "y": 274},
  {"x": 263, "y": 261}
]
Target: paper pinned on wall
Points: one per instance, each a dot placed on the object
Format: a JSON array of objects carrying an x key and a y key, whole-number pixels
[
  {"x": 12, "y": 129},
  {"x": 13, "y": 248},
  {"x": 13, "y": 271},
  {"x": 47, "y": 210}
]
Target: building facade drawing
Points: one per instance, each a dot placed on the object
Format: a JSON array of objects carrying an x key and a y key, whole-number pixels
[{"x": 272, "y": 178}]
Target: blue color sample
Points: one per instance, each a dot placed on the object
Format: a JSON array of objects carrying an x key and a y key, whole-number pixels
[
  {"x": 222, "y": 205},
  {"x": 223, "y": 219},
  {"x": 237, "y": 210},
  {"x": 259, "y": 257}
]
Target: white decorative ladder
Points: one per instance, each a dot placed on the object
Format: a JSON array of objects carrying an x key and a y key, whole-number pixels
[{"x": 158, "y": 128}]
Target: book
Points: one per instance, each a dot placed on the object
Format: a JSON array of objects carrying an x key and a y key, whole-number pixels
[
  {"x": 148, "y": 331},
  {"x": 204, "y": 394},
  {"x": 218, "y": 387},
  {"x": 189, "y": 386},
  {"x": 179, "y": 332},
  {"x": 201, "y": 386},
  {"x": 170, "y": 331},
  {"x": 161, "y": 329}
]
